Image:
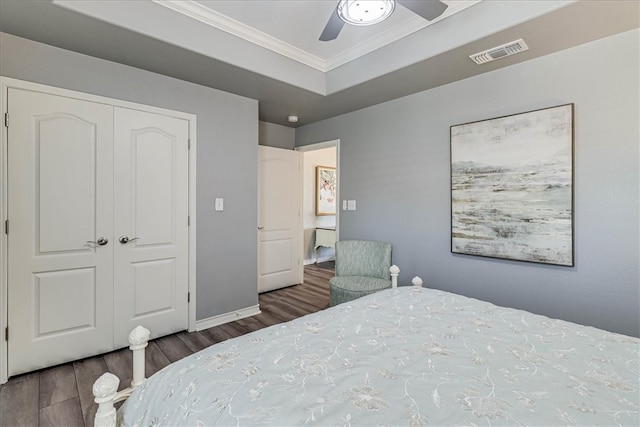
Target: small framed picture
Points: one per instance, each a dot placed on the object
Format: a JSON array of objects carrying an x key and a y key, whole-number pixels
[{"x": 326, "y": 184}]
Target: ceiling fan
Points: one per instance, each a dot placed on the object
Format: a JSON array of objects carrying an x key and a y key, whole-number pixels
[{"x": 368, "y": 12}]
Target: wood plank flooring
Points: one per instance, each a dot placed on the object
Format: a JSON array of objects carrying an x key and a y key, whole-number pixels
[{"x": 61, "y": 395}]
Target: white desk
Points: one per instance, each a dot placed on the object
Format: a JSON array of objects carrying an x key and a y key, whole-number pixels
[{"x": 325, "y": 236}]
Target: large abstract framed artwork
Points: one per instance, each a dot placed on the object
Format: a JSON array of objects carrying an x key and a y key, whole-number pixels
[
  {"x": 512, "y": 187},
  {"x": 326, "y": 184}
]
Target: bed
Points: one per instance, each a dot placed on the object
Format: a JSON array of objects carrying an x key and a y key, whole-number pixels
[{"x": 403, "y": 356}]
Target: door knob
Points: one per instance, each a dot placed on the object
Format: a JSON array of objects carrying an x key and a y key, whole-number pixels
[
  {"x": 101, "y": 241},
  {"x": 125, "y": 239},
  {"x": 260, "y": 228}
]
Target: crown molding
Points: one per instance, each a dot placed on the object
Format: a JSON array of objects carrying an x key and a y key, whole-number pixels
[{"x": 197, "y": 11}]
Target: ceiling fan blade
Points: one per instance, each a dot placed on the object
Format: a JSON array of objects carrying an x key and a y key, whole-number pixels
[
  {"x": 428, "y": 9},
  {"x": 333, "y": 27}
]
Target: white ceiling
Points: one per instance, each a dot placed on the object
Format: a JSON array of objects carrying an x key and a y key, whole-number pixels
[
  {"x": 292, "y": 28},
  {"x": 269, "y": 50}
]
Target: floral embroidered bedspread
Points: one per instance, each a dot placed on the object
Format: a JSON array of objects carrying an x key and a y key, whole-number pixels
[{"x": 405, "y": 356}]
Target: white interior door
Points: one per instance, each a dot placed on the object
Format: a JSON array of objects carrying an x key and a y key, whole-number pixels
[
  {"x": 60, "y": 196},
  {"x": 279, "y": 218},
  {"x": 151, "y": 230},
  {"x": 98, "y": 227}
]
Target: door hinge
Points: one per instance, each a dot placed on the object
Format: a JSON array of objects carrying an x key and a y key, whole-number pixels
[
  {"x": 188, "y": 220},
  {"x": 6, "y": 120},
  {"x": 6, "y": 333},
  {"x": 6, "y": 227},
  {"x": 188, "y": 144},
  {"x": 188, "y": 297}
]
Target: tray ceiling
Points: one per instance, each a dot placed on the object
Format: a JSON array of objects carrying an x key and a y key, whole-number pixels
[{"x": 268, "y": 50}]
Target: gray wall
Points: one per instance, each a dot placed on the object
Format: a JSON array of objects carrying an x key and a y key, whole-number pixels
[
  {"x": 394, "y": 160},
  {"x": 227, "y": 139},
  {"x": 277, "y": 136}
]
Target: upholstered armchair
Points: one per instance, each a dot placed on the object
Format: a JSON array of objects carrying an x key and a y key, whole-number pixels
[{"x": 362, "y": 268}]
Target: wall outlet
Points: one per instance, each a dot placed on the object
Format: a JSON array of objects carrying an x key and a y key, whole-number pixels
[
  {"x": 351, "y": 205},
  {"x": 344, "y": 205},
  {"x": 219, "y": 205}
]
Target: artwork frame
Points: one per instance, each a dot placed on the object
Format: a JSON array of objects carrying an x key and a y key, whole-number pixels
[
  {"x": 512, "y": 180},
  {"x": 326, "y": 186}
]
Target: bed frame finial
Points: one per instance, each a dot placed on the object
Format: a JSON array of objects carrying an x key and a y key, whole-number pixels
[
  {"x": 138, "y": 340},
  {"x": 395, "y": 271},
  {"x": 139, "y": 336},
  {"x": 104, "y": 392},
  {"x": 417, "y": 281}
]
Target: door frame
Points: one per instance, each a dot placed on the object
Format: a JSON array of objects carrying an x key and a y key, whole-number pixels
[
  {"x": 319, "y": 146},
  {"x": 5, "y": 84}
]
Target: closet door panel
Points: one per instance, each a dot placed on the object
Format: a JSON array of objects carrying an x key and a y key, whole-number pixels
[
  {"x": 154, "y": 286},
  {"x": 153, "y": 154},
  {"x": 151, "y": 255},
  {"x": 65, "y": 205},
  {"x": 60, "y": 198}
]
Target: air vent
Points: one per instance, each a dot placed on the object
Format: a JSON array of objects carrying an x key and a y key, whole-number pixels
[{"x": 498, "y": 52}]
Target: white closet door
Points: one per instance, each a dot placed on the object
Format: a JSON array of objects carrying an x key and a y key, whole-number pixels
[
  {"x": 60, "y": 288},
  {"x": 151, "y": 234}
]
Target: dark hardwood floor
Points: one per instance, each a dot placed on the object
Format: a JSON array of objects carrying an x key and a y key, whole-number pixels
[{"x": 61, "y": 395}]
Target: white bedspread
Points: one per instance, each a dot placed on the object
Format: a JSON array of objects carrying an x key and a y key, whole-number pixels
[{"x": 406, "y": 356}]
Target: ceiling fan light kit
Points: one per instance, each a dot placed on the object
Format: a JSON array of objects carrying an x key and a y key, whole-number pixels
[
  {"x": 365, "y": 12},
  {"x": 369, "y": 12}
]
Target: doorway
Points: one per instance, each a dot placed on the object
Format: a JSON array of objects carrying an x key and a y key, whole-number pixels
[{"x": 320, "y": 227}]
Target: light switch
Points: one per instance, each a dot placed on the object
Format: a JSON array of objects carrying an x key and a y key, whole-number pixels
[
  {"x": 344, "y": 205},
  {"x": 351, "y": 205},
  {"x": 219, "y": 204}
]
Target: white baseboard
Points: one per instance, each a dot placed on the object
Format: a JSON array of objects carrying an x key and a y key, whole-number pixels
[
  {"x": 221, "y": 319},
  {"x": 313, "y": 261}
]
